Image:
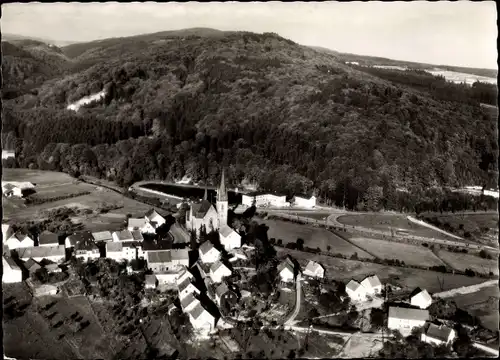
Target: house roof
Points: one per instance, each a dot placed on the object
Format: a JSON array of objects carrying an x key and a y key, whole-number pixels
[
  {"x": 150, "y": 279},
  {"x": 102, "y": 236},
  {"x": 5, "y": 228},
  {"x": 421, "y": 293},
  {"x": 9, "y": 187},
  {"x": 222, "y": 289},
  {"x": 41, "y": 251},
  {"x": 160, "y": 257},
  {"x": 8, "y": 261},
  {"x": 206, "y": 247},
  {"x": 31, "y": 264},
  {"x": 20, "y": 236},
  {"x": 438, "y": 332},
  {"x": 313, "y": 266},
  {"x": 371, "y": 282},
  {"x": 218, "y": 265},
  {"x": 48, "y": 237},
  {"x": 156, "y": 245},
  {"x": 286, "y": 264},
  {"x": 136, "y": 222},
  {"x": 202, "y": 272},
  {"x": 124, "y": 235},
  {"x": 408, "y": 313},
  {"x": 183, "y": 285},
  {"x": 136, "y": 235},
  {"x": 77, "y": 237},
  {"x": 353, "y": 285},
  {"x": 197, "y": 311},
  {"x": 200, "y": 209},
  {"x": 152, "y": 213},
  {"x": 114, "y": 246},
  {"x": 180, "y": 254},
  {"x": 225, "y": 230},
  {"x": 131, "y": 244},
  {"x": 188, "y": 300},
  {"x": 86, "y": 242},
  {"x": 304, "y": 196}
]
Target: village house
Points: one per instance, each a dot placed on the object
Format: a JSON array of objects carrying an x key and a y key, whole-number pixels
[
  {"x": 153, "y": 217},
  {"x": 137, "y": 235},
  {"x": 7, "y": 154},
  {"x": 11, "y": 272},
  {"x": 263, "y": 199},
  {"x": 55, "y": 254},
  {"x": 180, "y": 257},
  {"x": 103, "y": 236},
  {"x": 48, "y": 238},
  {"x": 6, "y": 232},
  {"x": 226, "y": 298},
  {"x": 314, "y": 270},
  {"x": 218, "y": 271},
  {"x": 151, "y": 282},
  {"x": 286, "y": 270},
  {"x": 167, "y": 277},
  {"x": 114, "y": 250},
  {"x": 132, "y": 250},
  {"x": 31, "y": 265},
  {"x": 10, "y": 190},
  {"x": 74, "y": 238},
  {"x": 208, "y": 253},
  {"x": 303, "y": 201},
  {"x": 140, "y": 224},
  {"x": 438, "y": 335},
  {"x": 123, "y": 235},
  {"x": 372, "y": 285},
  {"x": 159, "y": 261},
  {"x": 355, "y": 291},
  {"x": 19, "y": 240},
  {"x": 187, "y": 287},
  {"x": 420, "y": 298},
  {"x": 201, "y": 319},
  {"x": 405, "y": 319},
  {"x": 189, "y": 302},
  {"x": 229, "y": 238},
  {"x": 85, "y": 248},
  {"x": 184, "y": 274}
]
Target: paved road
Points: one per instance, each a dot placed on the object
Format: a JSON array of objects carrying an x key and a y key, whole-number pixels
[{"x": 298, "y": 292}]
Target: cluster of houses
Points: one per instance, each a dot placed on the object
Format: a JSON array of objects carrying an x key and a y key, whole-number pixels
[{"x": 264, "y": 199}]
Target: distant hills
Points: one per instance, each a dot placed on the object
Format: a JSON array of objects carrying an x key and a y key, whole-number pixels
[{"x": 13, "y": 38}]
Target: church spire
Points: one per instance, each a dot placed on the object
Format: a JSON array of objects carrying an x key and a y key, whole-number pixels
[
  {"x": 222, "y": 193},
  {"x": 205, "y": 197}
]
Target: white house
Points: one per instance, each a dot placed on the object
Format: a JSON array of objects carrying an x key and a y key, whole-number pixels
[
  {"x": 183, "y": 275},
  {"x": 11, "y": 272},
  {"x": 75, "y": 238},
  {"x": 124, "y": 235},
  {"x": 438, "y": 335},
  {"x": 186, "y": 287},
  {"x": 314, "y": 270},
  {"x": 180, "y": 257},
  {"x": 6, "y": 154},
  {"x": 201, "y": 319},
  {"x": 189, "y": 302},
  {"x": 355, "y": 291},
  {"x": 86, "y": 248},
  {"x": 286, "y": 270},
  {"x": 208, "y": 253},
  {"x": 262, "y": 199},
  {"x": 104, "y": 236},
  {"x": 154, "y": 218},
  {"x": 47, "y": 238},
  {"x": 218, "y": 271},
  {"x": 372, "y": 285},
  {"x": 225, "y": 296},
  {"x": 420, "y": 298},
  {"x": 159, "y": 261},
  {"x": 150, "y": 282},
  {"x": 6, "y": 232},
  {"x": 404, "y": 319},
  {"x": 11, "y": 190},
  {"x": 19, "y": 240},
  {"x": 132, "y": 250},
  {"x": 141, "y": 224},
  {"x": 492, "y": 193},
  {"x": 114, "y": 250},
  {"x": 304, "y": 201},
  {"x": 38, "y": 253},
  {"x": 167, "y": 277},
  {"x": 229, "y": 238}
]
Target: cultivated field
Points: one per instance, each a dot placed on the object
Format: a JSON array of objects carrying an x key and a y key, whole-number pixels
[
  {"x": 460, "y": 261},
  {"x": 313, "y": 237},
  {"x": 384, "y": 222},
  {"x": 410, "y": 254},
  {"x": 406, "y": 278},
  {"x": 483, "y": 304}
]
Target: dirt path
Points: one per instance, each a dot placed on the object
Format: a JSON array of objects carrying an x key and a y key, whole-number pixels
[
  {"x": 466, "y": 289},
  {"x": 298, "y": 291}
]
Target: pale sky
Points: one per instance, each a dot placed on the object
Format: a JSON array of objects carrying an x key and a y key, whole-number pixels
[{"x": 442, "y": 33}]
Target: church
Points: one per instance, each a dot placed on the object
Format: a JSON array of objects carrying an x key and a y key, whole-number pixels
[{"x": 205, "y": 215}]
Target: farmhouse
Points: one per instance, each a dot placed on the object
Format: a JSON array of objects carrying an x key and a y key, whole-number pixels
[
  {"x": 226, "y": 297},
  {"x": 201, "y": 319},
  {"x": 355, "y": 291},
  {"x": 304, "y": 201},
  {"x": 208, "y": 253},
  {"x": 263, "y": 199},
  {"x": 229, "y": 238},
  {"x": 38, "y": 253},
  {"x": 420, "y": 298},
  {"x": 11, "y": 272},
  {"x": 372, "y": 285},
  {"x": 159, "y": 261},
  {"x": 314, "y": 270},
  {"x": 6, "y": 154},
  {"x": 218, "y": 271},
  {"x": 404, "y": 319},
  {"x": 31, "y": 265},
  {"x": 153, "y": 217},
  {"x": 140, "y": 224},
  {"x": 151, "y": 282},
  {"x": 189, "y": 302},
  {"x": 132, "y": 250},
  {"x": 19, "y": 240},
  {"x": 186, "y": 287},
  {"x": 102, "y": 236},
  {"x": 47, "y": 238},
  {"x": 114, "y": 250},
  {"x": 86, "y": 248},
  {"x": 438, "y": 335},
  {"x": 76, "y": 237},
  {"x": 124, "y": 235},
  {"x": 286, "y": 270},
  {"x": 180, "y": 257}
]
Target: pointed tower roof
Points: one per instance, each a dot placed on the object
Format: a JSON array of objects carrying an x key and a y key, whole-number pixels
[
  {"x": 205, "y": 197},
  {"x": 222, "y": 193}
]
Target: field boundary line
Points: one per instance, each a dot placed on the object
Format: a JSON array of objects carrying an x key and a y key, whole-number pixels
[
  {"x": 353, "y": 244},
  {"x": 423, "y": 223}
]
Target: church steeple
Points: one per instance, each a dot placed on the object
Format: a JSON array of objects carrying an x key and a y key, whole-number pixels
[
  {"x": 205, "y": 197},
  {"x": 222, "y": 202},
  {"x": 222, "y": 193}
]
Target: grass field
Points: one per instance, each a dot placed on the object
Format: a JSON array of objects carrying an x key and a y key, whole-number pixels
[
  {"x": 385, "y": 222},
  {"x": 460, "y": 261},
  {"x": 314, "y": 215},
  {"x": 483, "y": 304},
  {"x": 406, "y": 278},
  {"x": 313, "y": 237},
  {"x": 410, "y": 254}
]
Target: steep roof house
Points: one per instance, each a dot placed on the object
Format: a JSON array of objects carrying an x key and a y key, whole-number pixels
[
  {"x": 19, "y": 240},
  {"x": 287, "y": 270},
  {"x": 86, "y": 248},
  {"x": 355, "y": 291},
  {"x": 123, "y": 235},
  {"x": 405, "y": 319},
  {"x": 76, "y": 237},
  {"x": 141, "y": 224},
  {"x": 314, "y": 270},
  {"x": 438, "y": 335},
  {"x": 189, "y": 302},
  {"x": 208, "y": 253},
  {"x": 372, "y": 285},
  {"x": 201, "y": 318},
  {"x": 226, "y": 298},
  {"x": 104, "y": 236},
  {"x": 160, "y": 261},
  {"x": 114, "y": 250},
  {"x": 420, "y": 298},
  {"x": 187, "y": 287},
  {"x": 229, "y": 238},
  {"x": 218, "y": 271},
  {"x": 180, "y": 257},
  {"x": 154, "y": 217},
  {"x": 11, "y": 272}
]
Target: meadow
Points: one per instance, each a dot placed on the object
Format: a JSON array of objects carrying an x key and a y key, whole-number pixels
[
  {"x": 483, "y": 304},
  {"x": 460, "y": 261}
]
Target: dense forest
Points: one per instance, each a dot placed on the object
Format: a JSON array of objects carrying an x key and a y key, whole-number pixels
[{"x": 288, "y": 117}]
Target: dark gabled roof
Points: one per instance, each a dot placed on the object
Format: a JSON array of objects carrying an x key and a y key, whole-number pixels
[
  {"x": 186, "y": 301},
  {"x": 200, "y": 209},
  {"x": 160, "y": 257},
  {"x": 86, "y": 243},
  {"x": 409, "y": 314},
  {"x": 48, "y": 237},
  {"x": 197, "y": 311},
  {"x": 438, "y": 332},
  {"x": 136, "y": 235},
  {"x": 124, "y": 235},
  {"x": 180, "y": 254},
  {"x": 206, "y": 247},
  {"x": 217, "y": 265},
  {"x": 156, "y": 245},
  {"x": 80, "y": 236},
  {"x": 114, "y": 246},
  {"x": 183, "y": 285},
  {"x": 415, "y": 292},
  {"x": 30, "y": 263},
  {"x": 102, "y": 236}
]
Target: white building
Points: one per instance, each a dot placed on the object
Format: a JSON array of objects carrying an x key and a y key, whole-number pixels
[
  {"x": 11, "y": 272},
  {"x": 286, "y": 271},
  {"x": 47, "y": 238},
  {"x": 151, "y": 282},
  {"x": 6, "y": 154},
  {"x": 229, "y": 238},
  {"x": 262, "y": 199},
  {"x": 124, "y": 235},
  {"x": 438, "y": 335},
  {"x": 114, "y": 250},
  {"x": 420, "y": 298},
  {"x": 38, "y": 253},
  {"x": 355, "y": 291},
  {"x": 218, "y": 271},
  {"x": 314, "y": 270},
  {"x": 159, "y": 261},
  {"x": 153, "y": 217},
  {"x": 132, "y": 251},
  {"x": 201, "y": 319},
  {"x": 180, "y": 257},
  {"x": 404, "y": 319},
  {"x": 75, "y": 238},
  {"x": 304, "y": 201},
  {"x": 490, "y": 193},
  {"x": 6, "y": 232},
  {"x": 19, "y": 240},
  {"x": 10, "y": 190},
  {"x": 372, "y": 285},
  {"x": 183, "y": 275},
  {"x": 208, "y": 253},
  {"x": 142, "y": 225},
  {"x": 87, "y": 249},
  {"x": 186, "y": 287},
  {"x": 104, "y": 236},
  {"x": 189, "y": 302}
]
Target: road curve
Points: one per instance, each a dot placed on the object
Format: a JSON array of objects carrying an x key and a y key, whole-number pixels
[{"x": 296, "y": 310}]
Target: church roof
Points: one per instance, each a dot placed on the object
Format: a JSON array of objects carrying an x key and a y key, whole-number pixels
[
  {"x": 222, "y": 193},
  {"x": 200, "y": 209}
]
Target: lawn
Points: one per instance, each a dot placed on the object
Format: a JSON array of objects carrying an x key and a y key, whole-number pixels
[
  {"x": 410, "y": 254},
  {"x": 384, "y": 222},
  {"x": 313, "y": 237},
  {"x": 460, "y": 261},
  {"x": 39, "y": 177},
  {"x": 483, "y": 303},
  {"x": 54, "y": 191},
  {"x": 406, "y": 278}
]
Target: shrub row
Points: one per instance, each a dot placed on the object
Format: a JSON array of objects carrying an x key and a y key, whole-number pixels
[{"x": 34, "y": 200}]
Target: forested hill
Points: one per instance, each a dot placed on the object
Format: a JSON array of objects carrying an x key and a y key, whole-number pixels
[{"x": 283, "y": 115}]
